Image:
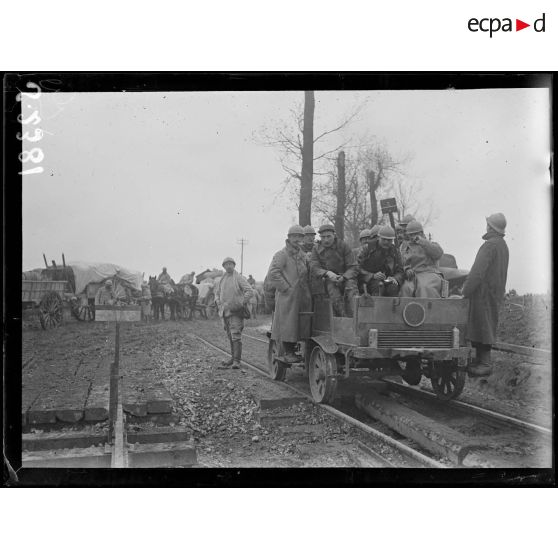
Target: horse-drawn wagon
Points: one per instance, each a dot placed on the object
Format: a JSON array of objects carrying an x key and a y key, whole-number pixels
[
  {"x": 409, "y": 337},
  {"x": 72, "y": 285}
]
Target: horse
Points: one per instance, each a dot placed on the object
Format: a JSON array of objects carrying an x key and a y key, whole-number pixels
[{"x": 160, "y": 297}]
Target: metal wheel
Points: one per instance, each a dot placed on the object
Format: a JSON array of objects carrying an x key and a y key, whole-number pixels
[
  {"x": 448, "y": 380},
  {"x": 412, "y": 373},
  {"x": 277, "y": 369},
  {"x": 50, "y": 310},
  {"x": 322, "y": 375}
]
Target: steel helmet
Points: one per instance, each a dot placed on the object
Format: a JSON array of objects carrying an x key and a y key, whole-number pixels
[
  {"x": 386, "y": 232},
  {"x": 374, "y": 231},
  {"x": 326, "y": 227},
  {"x": 228, "y": 260},
  {"x": 498, "y": 222},
  {"x": 406, "y": 220},
  {"x": 309, "y": 229},
  {"x": 365, "y": 233},
  {"x": 414, "y": 227},
  {"x": 296, "y": 229},
  {"x": 108, "y": 282}
]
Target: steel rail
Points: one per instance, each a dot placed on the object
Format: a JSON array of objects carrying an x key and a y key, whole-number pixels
[
  {"x": 470, "y": 407},
  {"x": 408, "y": 451}
]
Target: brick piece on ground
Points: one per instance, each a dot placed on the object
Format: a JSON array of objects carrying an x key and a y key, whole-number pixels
[
  {"x": 159, "y": 400},
  {"x": 69, "y": 415},
  {"x": 138, "y": 409}
]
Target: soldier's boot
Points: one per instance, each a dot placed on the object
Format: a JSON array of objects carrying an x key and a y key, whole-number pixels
[
  {"x": 484, "y": 362},
  {"x": 229, "y": 362},
  {"x": 237, "y": 354}
]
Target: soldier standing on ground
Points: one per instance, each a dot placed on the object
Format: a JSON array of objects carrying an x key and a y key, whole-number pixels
[
  {"x": 288, "y": 274},
  {"x": 309, "y": 239},
  {"x": 486, "y": 287},
  {"x": 334, "y": 262},
  {"x": 232, "y": 293}
]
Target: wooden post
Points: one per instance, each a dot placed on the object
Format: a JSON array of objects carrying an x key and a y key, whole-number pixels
[
  {"x": 340, "y": 216},
  {"x": 371, "y": 176},
  {"x": 44, "y": 258},
  {"x": 114, "y": 381},
  {"x": 63, "y": 260}
]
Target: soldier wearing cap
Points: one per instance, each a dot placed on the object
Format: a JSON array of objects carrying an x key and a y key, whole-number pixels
[
  {"x": 309, "y": 239},
  {"x": 288, "y": 276},
  {"x": 380, "y": 265},
  {"x": 231, "y": 295},
  {"x": 420, "y": 263},
  {"x": 333, "y": 261},
  {"x": 485, "y": 287}
]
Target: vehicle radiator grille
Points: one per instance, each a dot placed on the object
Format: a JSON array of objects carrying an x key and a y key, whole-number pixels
[{"x": 409, "y": 338}]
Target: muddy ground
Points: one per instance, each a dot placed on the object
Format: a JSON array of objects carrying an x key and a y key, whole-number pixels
[{"x": 69, "y": 366}]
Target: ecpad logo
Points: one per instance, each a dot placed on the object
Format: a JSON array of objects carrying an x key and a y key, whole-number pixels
[{"x": 493, "y": 25}]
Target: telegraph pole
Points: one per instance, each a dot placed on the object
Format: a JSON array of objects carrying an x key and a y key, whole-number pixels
[{"x": 242, "y": 242}]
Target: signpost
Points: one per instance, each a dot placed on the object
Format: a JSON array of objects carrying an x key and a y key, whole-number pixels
[{"x": 389, "y": 206}]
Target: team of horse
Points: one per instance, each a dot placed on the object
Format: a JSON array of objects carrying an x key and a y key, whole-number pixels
[{"x": 183, "y": 302}]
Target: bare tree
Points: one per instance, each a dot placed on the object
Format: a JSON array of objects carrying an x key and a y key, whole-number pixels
[
  {"x": 412, "y": 201},
  {"x": 372, "y": 172},
  {"x": 296, "y": 141}
]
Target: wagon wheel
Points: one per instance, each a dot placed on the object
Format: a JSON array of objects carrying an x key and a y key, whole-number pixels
[
  {"x": 277, "y": 369},
  {"x": 412, "y": 373},
  {"x": 50, "y": 310},
  {"x": 83, "y": 312},
  {"x": 448, "y": 380},
  {"x": 322, "y": 375}
]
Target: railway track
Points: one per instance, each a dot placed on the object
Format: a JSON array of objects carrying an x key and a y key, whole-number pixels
[
  {"x": 465, "y": 434},
  {"x": 417, "y": 457}
]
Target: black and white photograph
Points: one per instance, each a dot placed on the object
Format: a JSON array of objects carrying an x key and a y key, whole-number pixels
[{"x": 263, "y": 272}]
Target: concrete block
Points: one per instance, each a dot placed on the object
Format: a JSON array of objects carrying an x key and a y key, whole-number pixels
[
  {"x": 162, "y": 455},
  {"x": 82, "y": 458},
  {"x": 41, "y": 416},
  {"x": 161, "y": 418},
  {"x": 95, "y": 414},
  {"x": 59, "y": 440},
  {"x": 160, "y": 435},
  {"x": 159, "y": 406},
  {"x": 69, "y": 415},
  {"x": 138, "y": 409}
]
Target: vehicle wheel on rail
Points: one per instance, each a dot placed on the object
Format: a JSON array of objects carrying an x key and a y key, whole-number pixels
[
  {"x": 277, "y": 369},
  {"x": 50, "y": 310},
  {"x": 412, "y": 373},
  {"x": 448, "y": 380},
  {"x": 322, "y": 375}
]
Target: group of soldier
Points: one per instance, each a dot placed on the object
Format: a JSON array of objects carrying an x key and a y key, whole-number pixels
[{"x": 387, "y": 263}]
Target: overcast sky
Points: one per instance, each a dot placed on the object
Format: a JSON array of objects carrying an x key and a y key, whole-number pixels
[{"x": 147, "y": 180}]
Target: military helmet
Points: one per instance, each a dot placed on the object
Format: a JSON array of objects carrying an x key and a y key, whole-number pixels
[
  {"x": 228, "y": 260},
  {"x": 498, "y": 222},
  {"x": 406, "y": 220},
  {"x": 309, "y": 229},
  {"x": 365, "y": 233},
  {"x": 386, "y": 232},
  {"x": 414, "y": 227},
  {"x": 326, "y": 227},
  {"x": 296, "y": 229},
  {"x": 374, "y": 231}
]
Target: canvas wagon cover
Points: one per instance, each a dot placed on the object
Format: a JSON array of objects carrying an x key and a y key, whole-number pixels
[{"x": 86, "y": 273}]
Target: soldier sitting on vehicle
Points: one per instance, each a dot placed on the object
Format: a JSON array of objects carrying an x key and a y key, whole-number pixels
[
  {"x": 402, "y": 238},
  {"x": 333, "y": 261},
  {"x": 420, "y": 262},
  {"x": 364, "y": 239},
  {"x": 380, "y": 265},
  {"x": 309, "y": 239}
]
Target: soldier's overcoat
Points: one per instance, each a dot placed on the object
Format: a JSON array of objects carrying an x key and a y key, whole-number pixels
[
  {"x": 485, "y": 287},
  {"x": 288, "y": 275}
]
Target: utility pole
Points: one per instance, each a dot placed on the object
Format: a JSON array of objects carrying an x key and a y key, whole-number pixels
[
  {"x": 340, "y": 216},
  {"x": 242, "y": 242}
]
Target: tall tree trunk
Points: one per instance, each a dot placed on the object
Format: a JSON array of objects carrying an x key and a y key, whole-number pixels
[
  {"x": 372, "y": 186},
  {"x": 340, "y": 216},
  {"x": 305, "y": 206}
]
